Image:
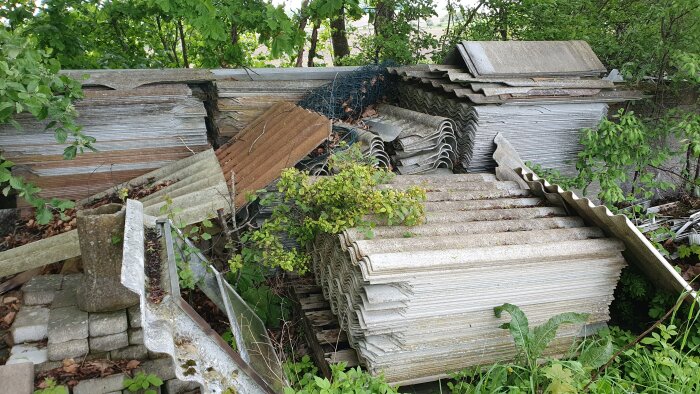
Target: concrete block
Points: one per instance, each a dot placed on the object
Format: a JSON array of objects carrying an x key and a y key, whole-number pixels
[
  {"x": 175, "y": 386},
  {"x": 69, "y": 349},
  {"x": 109, "y": 342},
  {"x": 135, "y": 336},
  {"x": 133, "y": 352},
  {"x": 108, "y": 384},
  {"x": 108, "y": 323},
  {"x": 157, "y": 390},
  {"x": 47, "y": 366},
  {"x": 71, "y": 281},
  {"x": 67, "y": 324},
  {"x": 97, "y": 356},
  {"x": 40, "y": 290},
  {"x": 164, "y": 368},
  {"x": 31, "y": 324},
  {"x": 64, "y": 298},
  {"x": 17, "y": 378},
  {"x": 134, "y": 313},
  {"x": 28, "y": 352}
]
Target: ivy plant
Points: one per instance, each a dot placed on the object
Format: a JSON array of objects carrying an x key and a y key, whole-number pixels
[{"x": 142, "y": 383}]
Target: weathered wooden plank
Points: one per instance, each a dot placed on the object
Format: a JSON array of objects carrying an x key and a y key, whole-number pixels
[
  {"x": 39, "y": 253},
  {"x": 332, "y": 336},
  {"x": 349, "y": 356},
  {"x": 322, "y": 318}
]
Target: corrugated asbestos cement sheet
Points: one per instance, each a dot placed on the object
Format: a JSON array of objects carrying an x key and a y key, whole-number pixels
[
  {"x": 278, "y": 139},
  {"x": 638, "y": 251},
  {"x": 197, "y": 191},
  {"x": 536, "y": 58},
  {"x": 137, "y": 131},
  {"x": 417, "y": 302}
]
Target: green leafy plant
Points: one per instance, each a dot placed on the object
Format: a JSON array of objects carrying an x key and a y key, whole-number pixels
[
  {"x": 304, "y": 380},
  {"x": 142, "y": 382},
  {"x": 350, "y": 198},
  {"x": 620, "y": 151},
  {"x": 50, "y": 387},
  {"x": 29, "y": 83}
]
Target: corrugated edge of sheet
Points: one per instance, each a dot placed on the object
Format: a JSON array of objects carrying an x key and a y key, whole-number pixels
[
  {"x": 639, "y": 250},
  {"x": 280, "y": 138}
]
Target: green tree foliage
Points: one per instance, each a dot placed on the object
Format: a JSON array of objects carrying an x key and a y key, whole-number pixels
[{"x": 29, "y": 83}]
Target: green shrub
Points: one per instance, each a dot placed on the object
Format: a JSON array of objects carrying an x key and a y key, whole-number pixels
[{"x": 304, "y": 380}]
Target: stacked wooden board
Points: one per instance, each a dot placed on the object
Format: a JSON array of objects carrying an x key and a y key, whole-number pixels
[{"x": 417, "y": 302}]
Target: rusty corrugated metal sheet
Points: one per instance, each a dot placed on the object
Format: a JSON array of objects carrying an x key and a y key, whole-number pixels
[
  {"x": 280, "y": 138},
  {"x": 417, "y": 302},
  {"x": 639, "y": 251},
  {"x": 137, "y": 131}
]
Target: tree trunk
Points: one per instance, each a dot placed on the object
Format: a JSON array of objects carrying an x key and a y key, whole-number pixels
[
  {"x": 183, "y": 45},
  {"x": 383, "y": 16},
  {"x": 312, "y": 47},
  {"x": 303, "y": 20},
  {"x": 339, "y": 37}
]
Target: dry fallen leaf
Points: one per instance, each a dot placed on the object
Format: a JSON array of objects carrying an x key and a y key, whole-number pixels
[
  {"x": 133, "y": 364},
  {"x": 72, "y": 368},
  {"x": 68, "y": 361},
  {"x": 9, "y": 317},
  {"x": 9, "y": 300}
]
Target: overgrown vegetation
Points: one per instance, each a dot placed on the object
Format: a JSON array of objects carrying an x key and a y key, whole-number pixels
[{"x": 304, "y": 379}]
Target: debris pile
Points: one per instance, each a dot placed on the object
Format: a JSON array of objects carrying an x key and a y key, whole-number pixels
[
  {"x": 422, "y": 142},
  {"x": 409, "y": 300},
  {"x": 539, "y": 94}
]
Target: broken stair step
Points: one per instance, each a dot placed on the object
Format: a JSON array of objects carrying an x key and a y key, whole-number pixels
[
  {"x": 392, "y": 245},
  {"x": 351, "y": 235}
]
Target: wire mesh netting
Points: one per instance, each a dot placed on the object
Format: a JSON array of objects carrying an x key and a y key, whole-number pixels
[{"x": 347, "y": 96}]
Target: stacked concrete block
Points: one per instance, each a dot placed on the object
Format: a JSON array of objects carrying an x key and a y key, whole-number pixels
[
  {"x": 17, "y": 378},
  {"x": 68, "y": 333}
]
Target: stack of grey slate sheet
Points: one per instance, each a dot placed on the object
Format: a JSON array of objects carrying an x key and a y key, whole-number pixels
[
  {"x": 417, "y": 302},
  {"x": 422, "y": 142},
  {"x": 540, "y": 94}
]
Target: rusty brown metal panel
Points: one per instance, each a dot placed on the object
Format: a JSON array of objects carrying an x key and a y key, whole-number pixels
[{"x": 279, "y": 138}]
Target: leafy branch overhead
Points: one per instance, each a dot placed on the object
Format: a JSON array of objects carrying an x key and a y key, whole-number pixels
[{"x": 30, "y": 84}]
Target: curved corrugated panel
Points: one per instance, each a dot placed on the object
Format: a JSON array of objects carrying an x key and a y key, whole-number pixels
[{"x": 639, "y": 250}]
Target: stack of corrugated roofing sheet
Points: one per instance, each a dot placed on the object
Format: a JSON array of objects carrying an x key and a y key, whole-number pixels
[
  {"x": 422, "y": 142},
  {"x": 417, "y": 302},
  {"x": 279, "y": 138},
  {"x": 137, "y": 130},
  {"x": 540, "y": 94}
]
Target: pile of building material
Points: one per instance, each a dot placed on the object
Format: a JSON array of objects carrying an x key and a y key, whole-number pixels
[
  {"x": 244, "y": 96},
  {"x": 539, "y": 94},
  {"x": 422, "y": 142},
  {"x": 137, "y": 130},
  {"x": 417, "y": 302},
  {"x": 278, "y": 139}
]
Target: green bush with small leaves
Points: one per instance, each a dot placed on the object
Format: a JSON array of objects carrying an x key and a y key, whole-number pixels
[{"x": 311, "y": 206}]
